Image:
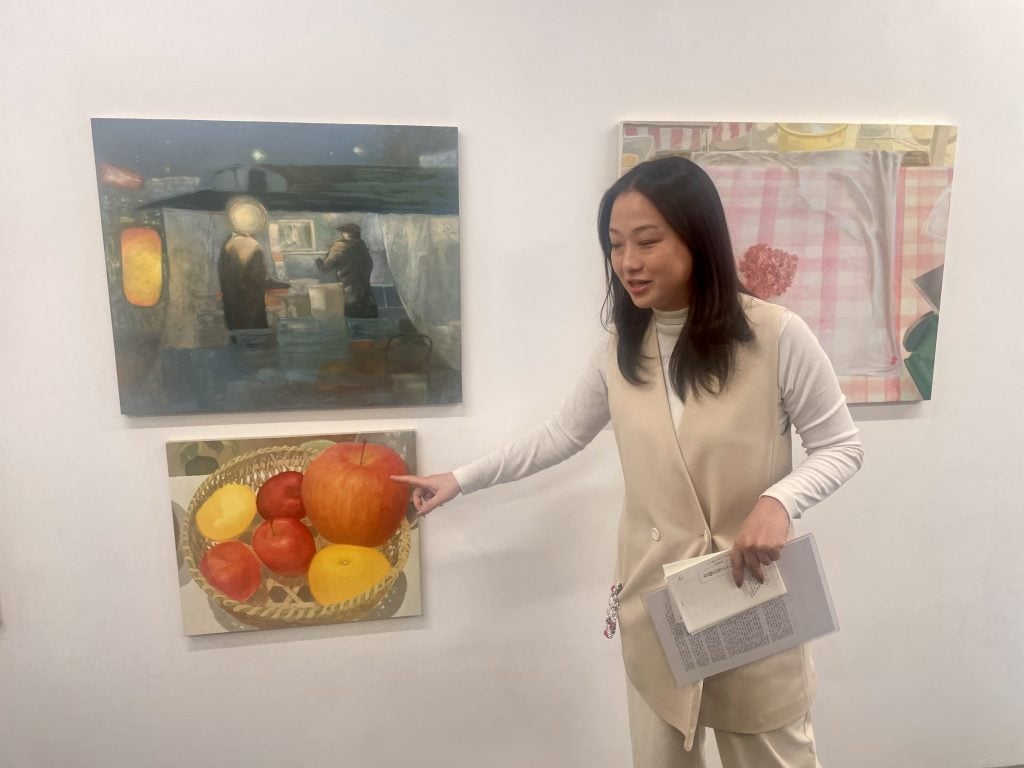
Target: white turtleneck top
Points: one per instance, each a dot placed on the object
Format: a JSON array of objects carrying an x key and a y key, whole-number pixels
[{"x": 809, "y": 399}]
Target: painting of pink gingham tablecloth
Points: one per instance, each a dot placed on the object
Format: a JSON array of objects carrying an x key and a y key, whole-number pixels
[
  {"x": 836, "y": 212},
  {"x": 859, "y": 303}
]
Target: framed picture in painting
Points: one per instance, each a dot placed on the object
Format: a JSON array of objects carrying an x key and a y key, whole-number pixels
[
  {"x": 272, "y": 533},
  {"x": 844, "y": 224},
  {"x": 296, "y": 235},
  {"x": 268, "y": 266}
]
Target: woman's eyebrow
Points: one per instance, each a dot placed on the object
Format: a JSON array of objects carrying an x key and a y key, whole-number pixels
[{"x": 641, "y": 228}]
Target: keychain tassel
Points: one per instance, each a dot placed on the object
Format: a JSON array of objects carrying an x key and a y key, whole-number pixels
[{"x": 611, "y": 622}]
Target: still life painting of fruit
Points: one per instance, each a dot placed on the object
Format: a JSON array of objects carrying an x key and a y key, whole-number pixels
[{"x": 294, "y": 531}]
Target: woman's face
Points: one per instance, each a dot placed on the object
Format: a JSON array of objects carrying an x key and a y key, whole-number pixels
[{"x": 649, "y": 258}]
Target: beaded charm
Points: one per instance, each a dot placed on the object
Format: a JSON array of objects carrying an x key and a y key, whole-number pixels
[{"x": 611, "y": 622}]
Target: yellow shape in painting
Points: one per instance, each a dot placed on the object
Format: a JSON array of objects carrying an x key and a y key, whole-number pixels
[
  {"x": 246, "y": 214},
  {"x": 807, "y": 137},
  {"x": 342, "y": 571},
  {"x": 142, "y": 255},
  {"x": 229, "y": 511}
]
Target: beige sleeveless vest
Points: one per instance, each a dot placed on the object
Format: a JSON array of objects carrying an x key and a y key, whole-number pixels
[{"x": 687, "y": 492}]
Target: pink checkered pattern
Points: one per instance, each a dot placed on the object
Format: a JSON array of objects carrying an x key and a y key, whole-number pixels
[
  {"x": 723, "y": 131},
  {"x": 668, "y": 137},
  {"x": 812, "y": 215},
  {"x": 916, "y": 253},
  {"x": 832, "y": 290},
  {"x": 686, "y": 138},
  {"x": 859, "y": 307}
]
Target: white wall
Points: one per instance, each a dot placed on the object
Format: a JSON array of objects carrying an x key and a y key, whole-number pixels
[{"x": 508, "y": 666}]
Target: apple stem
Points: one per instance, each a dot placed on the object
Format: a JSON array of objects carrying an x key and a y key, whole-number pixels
[{"x": 363, "y": 451}]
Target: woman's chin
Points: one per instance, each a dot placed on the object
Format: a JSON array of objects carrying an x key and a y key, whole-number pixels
[{"x": 640, "y": 301}]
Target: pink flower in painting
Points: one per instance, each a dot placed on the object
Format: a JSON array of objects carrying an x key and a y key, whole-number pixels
[{"x": 767, "y": 272}]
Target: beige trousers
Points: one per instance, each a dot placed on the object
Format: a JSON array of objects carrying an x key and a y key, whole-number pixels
[{"x": 656, "y": 744}]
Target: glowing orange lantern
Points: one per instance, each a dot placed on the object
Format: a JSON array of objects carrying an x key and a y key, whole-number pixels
[{"x": 142, "y": 261}]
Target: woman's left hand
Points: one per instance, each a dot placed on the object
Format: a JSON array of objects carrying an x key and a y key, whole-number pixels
[{"x": 761, "y": 538}]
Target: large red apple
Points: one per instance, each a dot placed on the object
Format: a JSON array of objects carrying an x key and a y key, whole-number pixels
[
  {"x": 281, "y": 496},
  {"x": 350, "y": 497},
  {"x": 232, "y": 568},
  {"x": 284, "y": 545}
]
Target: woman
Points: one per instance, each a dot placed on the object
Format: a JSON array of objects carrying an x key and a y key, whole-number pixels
[{"x": 701, "y": 383}]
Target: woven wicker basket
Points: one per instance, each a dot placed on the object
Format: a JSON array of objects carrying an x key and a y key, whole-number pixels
[{"x": 280, "y": 601}]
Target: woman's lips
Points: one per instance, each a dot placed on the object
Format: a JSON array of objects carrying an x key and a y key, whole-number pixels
[{"x": 637, "y": 286}]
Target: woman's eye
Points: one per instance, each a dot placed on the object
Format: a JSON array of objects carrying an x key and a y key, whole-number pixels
[
  {"x": 616, "y": 246},
  {"x": 647, "y": 243}
]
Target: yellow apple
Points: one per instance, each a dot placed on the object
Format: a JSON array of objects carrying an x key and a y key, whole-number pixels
[
  {"x": 227, "y": 513},
  {"x": 342, "y": 571}
]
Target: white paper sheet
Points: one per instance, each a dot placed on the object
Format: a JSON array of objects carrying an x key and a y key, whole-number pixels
[
  {"x": 805, "y": 612},
  {"x": 704, "y": 593}
]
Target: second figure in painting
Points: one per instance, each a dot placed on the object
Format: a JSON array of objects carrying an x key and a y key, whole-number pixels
[
  {"x": 702, "y": 383},
  {"x": 350, "y": 260}
]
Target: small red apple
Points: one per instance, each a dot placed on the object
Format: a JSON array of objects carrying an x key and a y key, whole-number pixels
[
  {"x": 281, "y": 496},
  {"x": 232, "y": 568},
  {"x": 350, "y": 497},
  {"x": 284, "y": 545}
]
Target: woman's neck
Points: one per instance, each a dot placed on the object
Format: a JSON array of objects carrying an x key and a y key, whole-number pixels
[{"x": 671, "y": 317}]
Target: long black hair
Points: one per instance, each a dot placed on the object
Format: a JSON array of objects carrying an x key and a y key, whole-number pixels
[{"x": 705, "y": 354}]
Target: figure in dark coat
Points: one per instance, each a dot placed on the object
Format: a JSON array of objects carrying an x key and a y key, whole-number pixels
[
  {"x": 243, "y": 282},
  {"x": 350, "y": 259}
]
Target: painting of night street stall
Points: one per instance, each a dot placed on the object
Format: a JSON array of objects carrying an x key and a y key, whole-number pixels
[{"x": 269, "y": 266}]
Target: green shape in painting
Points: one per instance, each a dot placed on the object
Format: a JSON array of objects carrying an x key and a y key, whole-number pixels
[{"x": 920, "y": 341}]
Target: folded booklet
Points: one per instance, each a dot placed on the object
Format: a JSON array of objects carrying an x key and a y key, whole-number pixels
[
  {"x": 802, "y": 614},
  {"x": 703, "y": 592}
]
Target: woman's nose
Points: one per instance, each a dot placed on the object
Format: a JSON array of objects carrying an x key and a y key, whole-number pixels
[{"x": 630, "y": 259}]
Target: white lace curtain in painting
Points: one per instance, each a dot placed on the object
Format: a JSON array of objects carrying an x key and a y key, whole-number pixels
[{"x": 423, "y": 256}]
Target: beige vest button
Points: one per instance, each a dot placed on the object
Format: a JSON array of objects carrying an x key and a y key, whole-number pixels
[
  {"x": 655, "y": 534},
  {"x": 705, "y": 534}
]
